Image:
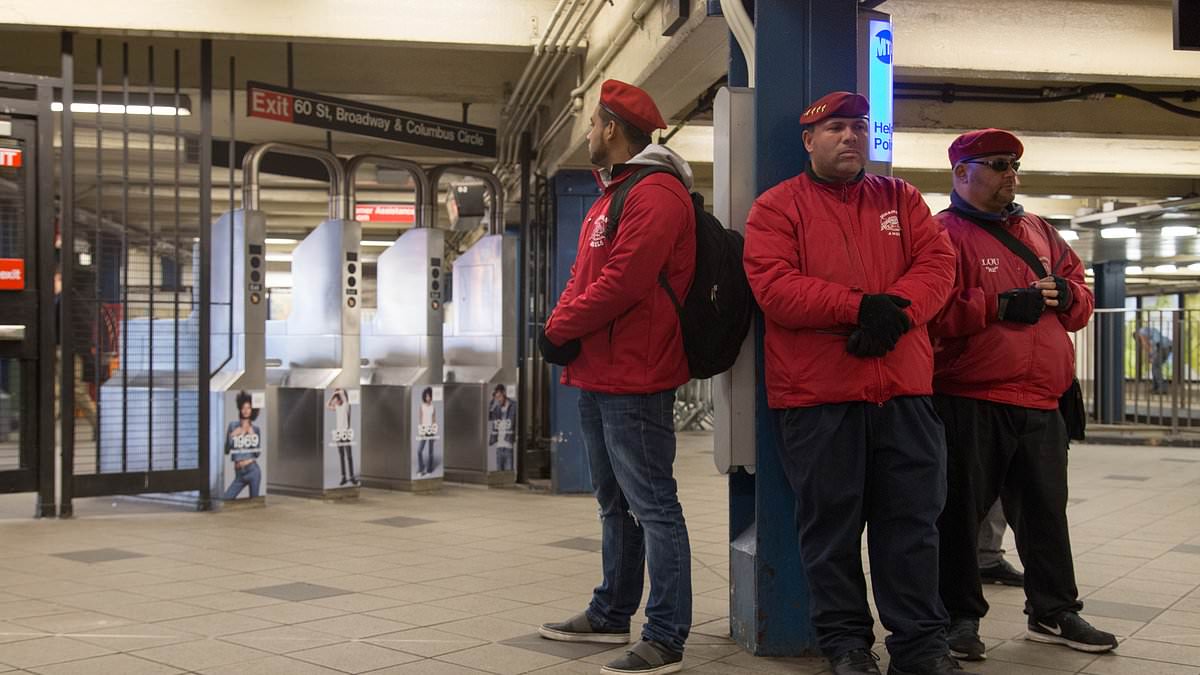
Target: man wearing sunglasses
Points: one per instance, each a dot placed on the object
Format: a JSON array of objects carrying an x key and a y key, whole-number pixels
[
  {"x": 1002, "y": 360},
  {"x": 848, "y": 267}
]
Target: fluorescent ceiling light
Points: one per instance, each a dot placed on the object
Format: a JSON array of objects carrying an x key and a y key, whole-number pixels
[
  {"x": 1061, "y": 197},
  {"x": 280, "y": 240},
  {"x": 1166, "y": 268},
  {"x": 1133, "y": 269},
  {"x": 376, "y": 243},
  {"x": 1195, "y": 267},
  {"x": 279, "y": 257},
  {"x": 1068, "y": 235},
  {"x": 1177, "y": 216},
  {"x": 1118, "y": 233},
  {"x": 1089, "y": 272},
  {"x": 1178, "y": 231},
  {"x": 118, "y": 109}
]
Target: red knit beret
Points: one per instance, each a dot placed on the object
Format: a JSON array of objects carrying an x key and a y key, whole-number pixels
[
  {"x": 836, "y": 104},
  {"x": 982, "y": 142},
  {"x": 632, "y": 105}
]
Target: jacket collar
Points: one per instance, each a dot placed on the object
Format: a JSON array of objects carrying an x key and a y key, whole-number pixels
[
  {"x": 962, "y": 206},
  {"x": 842, "y": 191}
]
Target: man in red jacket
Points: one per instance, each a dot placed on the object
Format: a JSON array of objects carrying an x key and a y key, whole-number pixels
[
  {"x": 616, "y": 330},
  {"x": 1003, "y": 360},
  {"x": 848, "y": 267}
]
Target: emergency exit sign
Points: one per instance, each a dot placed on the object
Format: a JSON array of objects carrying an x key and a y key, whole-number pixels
[{"x": 10, "y": 158}]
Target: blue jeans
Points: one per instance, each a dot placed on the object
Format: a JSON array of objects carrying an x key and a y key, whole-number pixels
[
  {"x": 249, "y": 475},
  {"x": 630, "y": 442}
]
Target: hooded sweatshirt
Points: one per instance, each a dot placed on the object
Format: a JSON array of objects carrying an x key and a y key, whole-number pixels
[{"x": 631, "y": 342}]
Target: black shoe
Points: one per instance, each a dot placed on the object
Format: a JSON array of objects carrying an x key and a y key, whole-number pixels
[
  {"x": 963, "y": 638},
  {"x": 646, "y": 658},
  {"x": 940, "y": 665},
  {"x": 580, "y": 629},
  {"x": 855, "y": 662},
  {"x": 1002, "y": 573},
  {"x": 1071, "y": 630}
]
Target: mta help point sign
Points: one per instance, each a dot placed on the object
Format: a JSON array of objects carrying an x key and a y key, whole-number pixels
[{"x": 879, "y": 57}]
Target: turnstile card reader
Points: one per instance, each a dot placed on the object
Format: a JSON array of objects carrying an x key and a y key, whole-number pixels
[{"x": 403, "y": 443}]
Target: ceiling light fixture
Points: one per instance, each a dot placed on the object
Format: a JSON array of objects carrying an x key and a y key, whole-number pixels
[
  {"x": 1133, "y": 269},
  {"x": 280, "y": 240},
  {"x": 1178, "y": 231},
  {"x": 1118, "y": 233},
  {"x": 376, "y": 243},
  {"x": 1068, "y": 235}
]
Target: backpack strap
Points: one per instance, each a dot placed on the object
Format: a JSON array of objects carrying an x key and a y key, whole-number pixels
[
  {"x": 617, "y": 204},
  {"x": 1010, "y": 242}
]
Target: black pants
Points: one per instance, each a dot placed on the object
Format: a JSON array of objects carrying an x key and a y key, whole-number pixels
[
  {"x": 856, "y": 464},
  {"x": 1021, "y": 454}
]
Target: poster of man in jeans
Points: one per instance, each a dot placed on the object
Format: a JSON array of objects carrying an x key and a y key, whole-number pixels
[
  {"x": 502, "y": 428},
  {"x": 343, "y": 422},
  {"x": 244, "y": 444}
]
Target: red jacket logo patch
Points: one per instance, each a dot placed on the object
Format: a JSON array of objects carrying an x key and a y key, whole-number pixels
[
  {"x": 889, "y": 221},
  {"x": 598, "y": 238}
]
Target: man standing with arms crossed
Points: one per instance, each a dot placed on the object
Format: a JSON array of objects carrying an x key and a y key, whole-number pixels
[
  {"x": 616, "y": 330},
  {"x": 847, "y": 268},
  {"x": 1003, "y": 361}
]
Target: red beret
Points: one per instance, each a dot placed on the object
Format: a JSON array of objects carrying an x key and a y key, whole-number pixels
[
  {"x": 836, "y": 104},
  {"x": 984, "y": 142},
  {"x": 632, "y": 105}
]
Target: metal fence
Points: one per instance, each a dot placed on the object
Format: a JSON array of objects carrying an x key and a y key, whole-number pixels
[
  {"x": 1141, "y": 367},
  {"x": 694, "y": 406}
]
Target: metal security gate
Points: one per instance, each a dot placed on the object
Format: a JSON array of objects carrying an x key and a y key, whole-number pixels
[
  {"x": 136, "y": 201},
  {"x": 26, "y": 282}
]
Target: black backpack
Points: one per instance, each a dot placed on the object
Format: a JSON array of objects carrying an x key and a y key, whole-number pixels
[{"x": 715, "y": 316}]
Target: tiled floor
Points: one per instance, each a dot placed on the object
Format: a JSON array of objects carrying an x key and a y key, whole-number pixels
[{"x": 457, "y": 582}]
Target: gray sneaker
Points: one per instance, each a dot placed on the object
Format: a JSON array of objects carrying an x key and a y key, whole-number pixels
[
  {"x": 580, "y": 629},
  {"x": 646, "y": 658}
]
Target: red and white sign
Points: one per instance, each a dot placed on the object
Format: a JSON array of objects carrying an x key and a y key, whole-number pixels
[
  {"x": 385, "y": 213},
  {"x": 12, "y": 274},
  {"x": 269, "y": 105},
  {"x": 10, "y": 157}
]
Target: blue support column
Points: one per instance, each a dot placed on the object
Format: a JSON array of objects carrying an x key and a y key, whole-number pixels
[
  {"x": 574, "y": 194},
  {"x": 1110, "y": 337},
  {"x": 805, "y": 49}
]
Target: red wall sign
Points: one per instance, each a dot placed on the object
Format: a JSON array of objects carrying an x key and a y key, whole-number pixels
[
  {"x": 269, "y": 105},
  {"x": 10, "y": 157},
  {"x": 385, "y": 213},
  {"x": 12, "y": 274}
]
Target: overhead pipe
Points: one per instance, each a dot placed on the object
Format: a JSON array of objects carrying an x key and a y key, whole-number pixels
[
  {"x": 538, "y": 50},
  {"x": 742, "y": 27},
  {"x": 424, "y": 208},
  {"x": 250, "y": 173}
]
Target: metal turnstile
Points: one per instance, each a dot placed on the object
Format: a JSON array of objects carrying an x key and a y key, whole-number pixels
[
  {"x": 237, "y": 388},
  {"x": 481, "y": 353},
  {"x": 314, "y": 407},
  {"x": 403, "y": 429}
]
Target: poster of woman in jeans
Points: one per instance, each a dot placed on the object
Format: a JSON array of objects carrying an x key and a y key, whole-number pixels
[
  {"x": 502, "y": 428},
  {"x": 244, "y": 442},
  {"x": 427, "y": 433}
]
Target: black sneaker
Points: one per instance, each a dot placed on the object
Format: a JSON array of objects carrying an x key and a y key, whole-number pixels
[
  {"x": 963, "y": 638},
  {"x": 855, "y": 662},
  {"x": 1071, "y": 630},
  {"x": 940, "y": 665},
  {"x": 1002, "y": 573},
  {"x": 580, "y": 629},
  {"x": 646, "y": 658}
]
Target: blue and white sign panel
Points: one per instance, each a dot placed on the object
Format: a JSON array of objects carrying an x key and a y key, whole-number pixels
[{"x": 879, "y": 75}]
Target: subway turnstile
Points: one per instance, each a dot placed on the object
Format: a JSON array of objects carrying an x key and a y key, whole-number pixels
[
  {"x": 403, "y": 431},
  {"x": 313, "y": 403}
]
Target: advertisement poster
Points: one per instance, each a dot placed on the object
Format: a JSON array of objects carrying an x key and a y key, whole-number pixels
[
  {"x": 245, "y": 445},
  {"x": 343, "y": 424},
  {"x": 502, "y": 428},
  {"x": 428, "y": 450}
]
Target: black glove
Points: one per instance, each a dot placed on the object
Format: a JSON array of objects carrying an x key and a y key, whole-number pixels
[
  {"x": 558, "y": 355},
  {"x": 865, "y": 345},
  {"x": 1064, "y": 293},
  {"x": 1021, "y": 305},
  {"x": 881, "y": 316}
]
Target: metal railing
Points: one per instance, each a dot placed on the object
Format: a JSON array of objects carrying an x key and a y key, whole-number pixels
[
  {"x": 1141, "y": 367},
  {"x": 694, "y": 406}
]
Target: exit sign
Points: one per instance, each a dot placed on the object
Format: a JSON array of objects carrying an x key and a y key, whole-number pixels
[{"x": 10, "y": 158}]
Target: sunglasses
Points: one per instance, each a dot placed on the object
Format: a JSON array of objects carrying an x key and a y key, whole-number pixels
[{"x": 997, "y": 165}]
